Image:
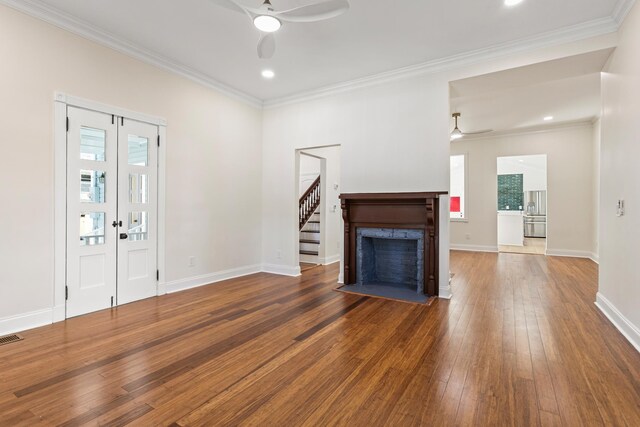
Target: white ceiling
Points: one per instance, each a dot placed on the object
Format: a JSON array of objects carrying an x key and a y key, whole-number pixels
[
  {"x": 567, "y": 89},
  {"x": 374, "y": 36}
]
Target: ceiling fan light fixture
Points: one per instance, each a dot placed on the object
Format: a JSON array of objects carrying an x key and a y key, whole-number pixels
[
  {"x": 512, "y": 2},
  {"x": 456, "y": 134},
  {"x": 267, "y": 23},
  {"x": 268, "y": 74}
]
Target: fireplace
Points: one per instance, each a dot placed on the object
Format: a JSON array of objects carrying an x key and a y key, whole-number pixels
[
  {"x": 391, "y": 244},
  {"x": 390, "y": 257}
]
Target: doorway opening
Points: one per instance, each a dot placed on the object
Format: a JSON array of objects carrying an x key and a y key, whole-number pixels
[
  {"x": 522, "y": 204},
  {"x": 318, "y": 207}
]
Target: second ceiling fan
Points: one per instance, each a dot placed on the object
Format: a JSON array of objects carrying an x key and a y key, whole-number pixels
[
  {"x": 268, "y": 20},
  {"x": 457, "y": 133}
]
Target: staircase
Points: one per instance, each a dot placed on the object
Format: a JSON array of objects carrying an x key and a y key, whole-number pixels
[{"x": 309, "y": 223}]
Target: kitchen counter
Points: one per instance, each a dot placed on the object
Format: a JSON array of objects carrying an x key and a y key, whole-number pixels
[{"x": 510, "y": 229}]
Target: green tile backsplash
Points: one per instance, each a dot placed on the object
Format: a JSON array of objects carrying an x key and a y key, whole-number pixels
[{"x": 510, "y": 192}]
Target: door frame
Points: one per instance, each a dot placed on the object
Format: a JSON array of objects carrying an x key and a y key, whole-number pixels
[
  {"x": 323, "y": 196},
  {"x": 61, "y": 102}
]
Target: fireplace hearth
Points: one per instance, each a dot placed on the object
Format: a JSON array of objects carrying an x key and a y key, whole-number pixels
[{"x": 391, "y": 245}]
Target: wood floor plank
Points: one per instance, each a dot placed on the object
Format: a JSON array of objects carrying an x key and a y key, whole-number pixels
[{"x": 521, "y": 343}]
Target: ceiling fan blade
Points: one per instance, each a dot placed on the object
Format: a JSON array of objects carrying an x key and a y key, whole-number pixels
[
  {"x": 478, "y": 132},
  {"x": 314, "y": 12},
  {"x": 266, "y": 46},
  {"x": 235, "y": 6}
]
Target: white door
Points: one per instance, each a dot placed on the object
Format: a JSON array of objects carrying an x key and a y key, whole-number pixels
[
  {"x": 112, "y": 230},
  {"x": 92, "y": 169},
  {"x": 138, "y": 210}
]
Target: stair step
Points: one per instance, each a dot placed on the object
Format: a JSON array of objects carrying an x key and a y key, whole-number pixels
[
  {"x": 310, "y": 231},
  {"x": 309, "y": 253},
  {"x": 315, "y": 242}
]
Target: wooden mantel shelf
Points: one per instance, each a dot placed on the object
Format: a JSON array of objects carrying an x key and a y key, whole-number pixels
[
  {"x": 393, "y": 210},
  {"x": 392, "y": 196}
]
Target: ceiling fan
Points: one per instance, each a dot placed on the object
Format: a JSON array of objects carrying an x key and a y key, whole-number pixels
[
  {"x": 457, "y": 133},
  {"x": 268, "y": 20}
]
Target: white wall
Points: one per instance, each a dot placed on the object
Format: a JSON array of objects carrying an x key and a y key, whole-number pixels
[
  {"x": 570, "y": 192},
  {"x": 309, "y": 171},
  {"x": 619, "y": 290},
  {"x": 213, "y": 157},
  {"x": 597, "y": 130}
]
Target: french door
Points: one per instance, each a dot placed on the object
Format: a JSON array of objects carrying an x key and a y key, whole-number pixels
[{"x": 112, "y": 187}]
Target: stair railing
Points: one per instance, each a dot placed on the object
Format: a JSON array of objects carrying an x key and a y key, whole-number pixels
[{"x": 309, "y": 202}]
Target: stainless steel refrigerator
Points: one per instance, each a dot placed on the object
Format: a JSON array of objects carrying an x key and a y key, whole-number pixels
[{"x": 535, "y": 214}]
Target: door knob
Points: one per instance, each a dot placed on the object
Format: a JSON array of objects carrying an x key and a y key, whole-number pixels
[{"x": 123, "y": 236}]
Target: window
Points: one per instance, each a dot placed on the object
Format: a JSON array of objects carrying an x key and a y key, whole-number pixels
[{"x": 457, "y": 191}]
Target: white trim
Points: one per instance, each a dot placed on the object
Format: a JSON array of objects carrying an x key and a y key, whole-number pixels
[
  {"x": 595, "y": 258},
  {"x": 22, "y": 322},
  {"x": 444, "y": 292},
  {"x": 43, "y": 11},
  {"x": 60, "y": 210},
  {"x": 330, "y": 260},
  {"x": 622, "y": 10},
  {"x": 162, "y": 215},
  {"x": 569, "y": 34},
  {"x": 569, "y": 253},
  {"x": 282, "y": 270},
  {"x": 89, "y": 104},
  {"x": 59, "y": 313},
  {"x": 630, "y": 331},
  {"x": 473, "y": 248},
  {"x": 207, "y": 279}
]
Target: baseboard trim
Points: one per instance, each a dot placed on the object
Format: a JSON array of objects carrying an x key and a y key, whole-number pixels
[
  {"x": 444, "y": 292},
  {"x": 626, "y": 328},
  {"x": 570, "y": 253},
  {"x": 282, "y": 270},
  {"x": 473, "y": 248},
  {"x": 595, "y": 258},
  {"x": 207, "y": 279},
  {"x": 330, "y": 260},
  {"x": 22, "y": 322}
]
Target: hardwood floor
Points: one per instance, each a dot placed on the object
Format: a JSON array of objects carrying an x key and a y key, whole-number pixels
[{"x": 521, "y": 343}]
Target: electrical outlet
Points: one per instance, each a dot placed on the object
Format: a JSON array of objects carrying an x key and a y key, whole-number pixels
[
  {"x": 620, "y": 208},
  {"x": 467, "y": 236},
  {"x": 279, "y": 254},
  {"x": 192, "y": 261}
]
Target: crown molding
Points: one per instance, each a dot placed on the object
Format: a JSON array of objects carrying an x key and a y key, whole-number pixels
[
  {"x": 569, "y": 34},
  {"x": 621, "y": 10},
  {"x": 40, "y": 10},
  {"x": 44, "y": 12}
]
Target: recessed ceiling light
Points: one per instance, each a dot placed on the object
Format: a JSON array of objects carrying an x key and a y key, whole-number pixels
[
  {"x": 268, "y": 74},
  {"x": 512, "y": 2},
  {"x": 267, "y": 23},
  {"x": 548, "y": 118}
]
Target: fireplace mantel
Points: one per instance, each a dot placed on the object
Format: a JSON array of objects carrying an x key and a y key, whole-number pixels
[{"x": 392, "y": 210}]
